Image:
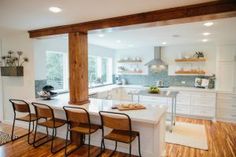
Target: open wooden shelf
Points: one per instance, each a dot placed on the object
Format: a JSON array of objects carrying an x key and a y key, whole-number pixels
[
  {"x": 130, "y": 72},
  {"x": 130, "y": 61},
  {"x": 191, "y": 72},
  {"x": 191, "y": 60}
]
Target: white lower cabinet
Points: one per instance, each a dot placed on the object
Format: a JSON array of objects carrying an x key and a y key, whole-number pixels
[
  {"x": 200, "y": 104},
  {"x": 226, "y": 107}
]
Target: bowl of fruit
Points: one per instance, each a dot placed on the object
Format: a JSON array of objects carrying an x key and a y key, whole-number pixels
[{"x": 154, "y": 90}]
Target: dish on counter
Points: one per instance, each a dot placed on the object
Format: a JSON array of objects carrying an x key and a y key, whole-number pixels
[
  {"x": 129, "y": 106},
  {"x": 154, "y": 90}
]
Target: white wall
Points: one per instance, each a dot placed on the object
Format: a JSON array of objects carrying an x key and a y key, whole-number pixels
[
  {"x": 145, "y": 53},
  {"x": 170, "y": 53},
  {"x": 18, "y": 87},
  {"x": 1, "y": 90},
  {"x": 59, "y": 44}
]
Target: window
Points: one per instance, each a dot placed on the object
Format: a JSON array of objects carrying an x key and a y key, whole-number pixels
[
  {"x": 57, "y": 70},
  {"x": 100, "y": 71}
]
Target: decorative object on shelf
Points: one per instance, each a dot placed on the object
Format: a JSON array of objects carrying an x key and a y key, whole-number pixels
[
  {"x": 212, "y": 79},
  {"x": 198, "y": 55},
  {"x": 130, "y": 60},
  {"x": 47, "y": 92},
  {"x": 13, "y": 64}
]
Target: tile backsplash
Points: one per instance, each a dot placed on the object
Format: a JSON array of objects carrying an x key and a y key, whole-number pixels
[{"x": 151, "y": 79}]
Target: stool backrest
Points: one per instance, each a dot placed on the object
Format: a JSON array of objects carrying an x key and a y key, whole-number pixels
[
  {"x": 114, "y": 120},
  {"x": 20, "y": 105},
  {"x": 76, "y": 115},
  {"x": 43, "y": 110}
]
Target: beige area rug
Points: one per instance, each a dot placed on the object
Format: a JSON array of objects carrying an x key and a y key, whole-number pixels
[{"x": 186, "y": 134}]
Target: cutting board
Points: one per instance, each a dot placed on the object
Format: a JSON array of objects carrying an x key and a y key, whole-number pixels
[{"x": 132, "y": 107}]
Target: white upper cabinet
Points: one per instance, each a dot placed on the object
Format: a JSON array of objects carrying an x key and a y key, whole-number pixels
[
  {"x": 225, "y": 76},
  {"x": 226, "y": 68},
  {"x": 226, "y": 53}
]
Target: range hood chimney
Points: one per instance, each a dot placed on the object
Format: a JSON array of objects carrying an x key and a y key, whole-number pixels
[{"x": 157, "y": 64}]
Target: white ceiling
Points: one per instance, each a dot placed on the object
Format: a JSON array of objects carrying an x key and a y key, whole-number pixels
[
  {"x": 223, "y": 31},
  {"x": 33, "y": 14}
]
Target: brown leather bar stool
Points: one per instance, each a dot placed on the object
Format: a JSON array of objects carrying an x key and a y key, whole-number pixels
[
  {"x": 20, "y": 106},
  {"x": 45, "y": 117},
  {"x": 78, "y": 121},
  {"x": 120, "y": 124}
]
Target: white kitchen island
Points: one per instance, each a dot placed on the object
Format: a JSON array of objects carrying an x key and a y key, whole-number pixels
[{"x": 150, "y": 122}]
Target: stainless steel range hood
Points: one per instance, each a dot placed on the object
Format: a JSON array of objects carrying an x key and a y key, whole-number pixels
[{"x": 157, "y": 64}]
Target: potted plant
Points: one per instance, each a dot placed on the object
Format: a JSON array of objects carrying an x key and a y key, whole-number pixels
[{"x": 13, "y": 64}]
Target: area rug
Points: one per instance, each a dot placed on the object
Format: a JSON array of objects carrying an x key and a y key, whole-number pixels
[
  {"x": 186, "y": 134},
  {"x": 5, "y": 138}
]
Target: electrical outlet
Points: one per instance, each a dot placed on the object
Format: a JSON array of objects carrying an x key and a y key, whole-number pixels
[{"x": 183, "y": 82}]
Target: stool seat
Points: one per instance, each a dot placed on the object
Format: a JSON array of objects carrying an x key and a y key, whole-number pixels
[
  {"x": 121, "y": 136},
  {"x": 84, "y": 128},
  {"x": 27, "y": 118},
  {"x": 49, "y": 123}
]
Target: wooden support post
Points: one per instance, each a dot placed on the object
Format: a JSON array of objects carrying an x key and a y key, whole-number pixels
[{"x": 78, "y": 68}]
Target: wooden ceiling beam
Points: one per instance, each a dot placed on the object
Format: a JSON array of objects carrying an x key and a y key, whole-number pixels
[{"x": 203, "y": 9}]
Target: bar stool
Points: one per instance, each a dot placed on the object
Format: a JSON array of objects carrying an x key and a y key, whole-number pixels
[
  {"x": 120, "y": 124},
  {"x": 46, "y": 115},
  {"x": 20, "y": 106},
  {"x": 78, "y": 121}
]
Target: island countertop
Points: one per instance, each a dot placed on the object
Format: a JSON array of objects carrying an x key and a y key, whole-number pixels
[{"x": 152, "y": 114}]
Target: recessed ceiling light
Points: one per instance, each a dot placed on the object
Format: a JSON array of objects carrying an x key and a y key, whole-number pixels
[
  {"x": 55, "y": 9},
  {"x": 208, "y": 24},
  {"x": 206, "y": 33},
  {"x": 176, "y": 35},
  {"x": 204, "y": 40},
  {"x": 101, "y": 35},
  {"x": 118, "y": 41},
  {"x": 163, "y": 43}
]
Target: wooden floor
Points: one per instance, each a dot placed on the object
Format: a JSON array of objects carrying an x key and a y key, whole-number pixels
[{"x": 221, "y": 141}]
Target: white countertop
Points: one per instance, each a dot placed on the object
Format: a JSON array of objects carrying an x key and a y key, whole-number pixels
[
  {"x": 151, "y": 114},
  {"x": 171, "y": 88}
]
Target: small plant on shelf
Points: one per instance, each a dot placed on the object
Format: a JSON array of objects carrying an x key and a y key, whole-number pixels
[{"x": 12, "y": 64}]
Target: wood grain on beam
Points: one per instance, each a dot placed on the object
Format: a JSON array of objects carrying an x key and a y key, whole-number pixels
[
  {"x": 210, "y": 8},
  {"x": 78, "y": 67}
]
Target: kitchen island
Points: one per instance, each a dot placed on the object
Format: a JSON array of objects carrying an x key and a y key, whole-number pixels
[{"x": 150, "y": 122}]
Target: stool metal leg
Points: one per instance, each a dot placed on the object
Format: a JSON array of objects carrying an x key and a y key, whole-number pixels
[
  {"x": 114, "y": 149},
  {"x": 139, "y": 147}
]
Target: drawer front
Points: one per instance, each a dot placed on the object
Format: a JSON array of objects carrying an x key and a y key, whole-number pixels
[
  {"x": 226, "y": 113},
  {"x": 202, "y": 111},
  {"x": 226, "y": 103},
  {"x": 183, "y": 99},
  {"x": 157, "y": 100},
  {"x": 182, "y": 109},
  {"x": 226, "y": 96},
  {"x": 207, "y": 101}
]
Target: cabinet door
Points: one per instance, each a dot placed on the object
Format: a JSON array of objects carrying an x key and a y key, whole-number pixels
[
  {"x": 226, "y": 53},
  {"x": 226, "y": 74}
]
